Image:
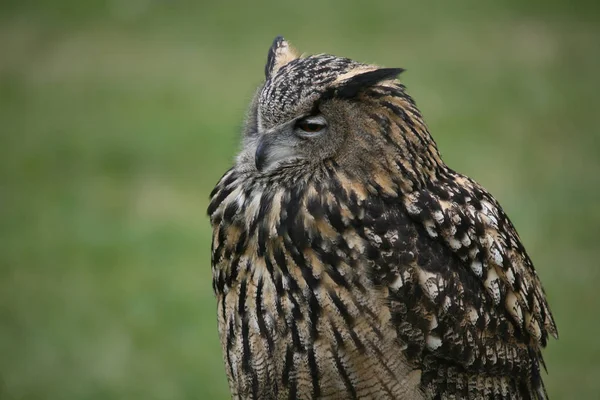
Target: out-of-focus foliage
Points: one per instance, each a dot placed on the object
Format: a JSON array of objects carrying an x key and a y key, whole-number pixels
[{"x": 117, "y": 117}]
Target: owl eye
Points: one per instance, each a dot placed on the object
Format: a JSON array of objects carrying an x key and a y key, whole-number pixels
[{"x": 311, "y": 126}]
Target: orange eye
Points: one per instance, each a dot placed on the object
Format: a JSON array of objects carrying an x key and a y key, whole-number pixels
[{"x": 310, "y": 126}]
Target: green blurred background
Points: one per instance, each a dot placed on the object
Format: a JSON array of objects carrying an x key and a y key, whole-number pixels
[{"x": 118, "y": 117}]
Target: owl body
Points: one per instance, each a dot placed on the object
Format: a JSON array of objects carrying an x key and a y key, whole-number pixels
[{"x": 350, "y": 262}]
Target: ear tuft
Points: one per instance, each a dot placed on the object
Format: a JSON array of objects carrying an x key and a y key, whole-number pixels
[
  {"x": 352, "y": 86},
  {"x": 280, "y": 54}
]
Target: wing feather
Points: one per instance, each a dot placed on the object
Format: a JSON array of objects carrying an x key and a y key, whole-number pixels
[{"x": 464, "y": 325}]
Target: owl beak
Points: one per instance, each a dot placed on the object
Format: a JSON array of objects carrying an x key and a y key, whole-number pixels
[
  {"x": 273, "y": 148},
  {"x": 261, "y": 155}
]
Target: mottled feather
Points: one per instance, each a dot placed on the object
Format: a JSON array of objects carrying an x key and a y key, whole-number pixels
[{"x": 355, "y": 263}]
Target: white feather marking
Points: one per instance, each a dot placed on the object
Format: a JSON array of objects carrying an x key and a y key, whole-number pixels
[
  {"x": 473, "y": 252},
  {"x": 496, "y": 255},
  {"x": 241, "y": 198},
  {"x": 510, "y": 276},
  {"x": 447, "y": 303},
  {"x": 473, "y": 315},
  {"x": 466, "y": 241},
  {"x": 454, "y": 244},
  {"x": 452, "y": 230},
  {"x": 533, "y": 327},
  {"x": 433, "y": 323},
  {"x": 433, "y": 342},
  {"x": 413, "y": 209},
  {"x": 274, "y": 214},
  {"x": 430, "y": 227},
  {"x": 477, "y": 268},
  {"x": 236, "y": 195},
  {"x": 486, "y": 240},
  {"x": 374, "y": 237},
  {"x": 253, "y": 206},
  {"x": 492, "y": 283},
  {"x": 430, "y": 283},
  {"x": 392, "y": 236},
  {"x": 398, "y": 283},
  {"x": 513, "y": 306},
  {"x": 456, "y": 219}
]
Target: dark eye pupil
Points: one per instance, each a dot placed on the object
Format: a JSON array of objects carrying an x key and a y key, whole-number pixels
[{"x": 310, "y": 127}]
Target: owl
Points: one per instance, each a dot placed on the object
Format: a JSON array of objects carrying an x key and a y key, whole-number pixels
[{"x": 349, "y": 261}]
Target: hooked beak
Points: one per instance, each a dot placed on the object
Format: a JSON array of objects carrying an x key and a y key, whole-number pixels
[
  {"x": 274, "y": 146},
  {"x": 271, "y": 151},
  {"x": 261, "y": 155}
]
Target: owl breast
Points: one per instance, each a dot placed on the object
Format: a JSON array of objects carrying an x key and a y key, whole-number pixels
[{"x": 299, "y": 315}]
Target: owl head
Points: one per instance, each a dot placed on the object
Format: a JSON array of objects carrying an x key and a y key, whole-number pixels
[{"x": 319, "y": 109}]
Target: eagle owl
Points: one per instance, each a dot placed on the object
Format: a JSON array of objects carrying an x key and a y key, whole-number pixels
[{"x": 349, "y": 261}]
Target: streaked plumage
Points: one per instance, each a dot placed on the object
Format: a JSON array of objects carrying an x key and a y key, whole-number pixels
[{"x": 350, "y": 262}]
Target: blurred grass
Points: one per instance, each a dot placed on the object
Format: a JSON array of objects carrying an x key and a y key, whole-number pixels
[{"x": 117, "y": 118}]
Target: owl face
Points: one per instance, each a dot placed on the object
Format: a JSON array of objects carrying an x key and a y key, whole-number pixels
[{"x": 306, "y": 111}]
